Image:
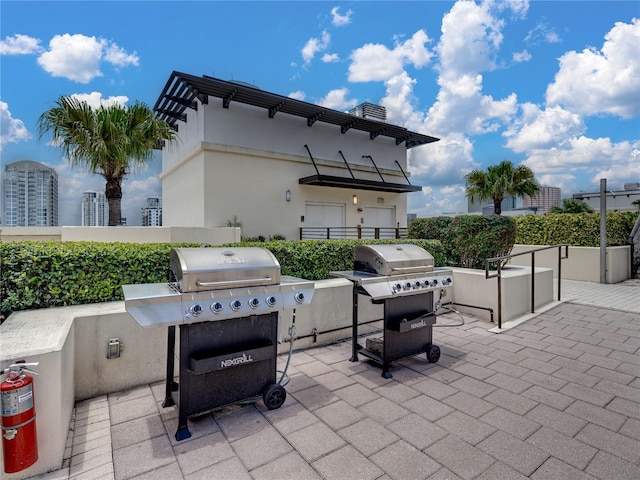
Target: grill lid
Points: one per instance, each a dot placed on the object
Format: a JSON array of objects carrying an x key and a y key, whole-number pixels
[
  {"x": 202, "y": 269},
  {"x": 392, "y": 259}
]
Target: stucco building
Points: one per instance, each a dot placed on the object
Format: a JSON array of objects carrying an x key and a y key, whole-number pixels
[{"x": 278, "y": 164}]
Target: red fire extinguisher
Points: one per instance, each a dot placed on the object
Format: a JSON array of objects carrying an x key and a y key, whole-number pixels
[{"x": 18, "y": 421}]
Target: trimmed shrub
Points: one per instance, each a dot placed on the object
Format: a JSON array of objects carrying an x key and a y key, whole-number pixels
[
  {"x": 474, "y": 238},
  {"x": 53, "y": 274},
  {"x": 430, "y": 227},
  {"x": 314, "y": 259},
  {"x": 577, "y": 229}
]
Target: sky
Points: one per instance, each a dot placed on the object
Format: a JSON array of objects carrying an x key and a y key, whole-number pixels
[{"x": 552, "y": 85}]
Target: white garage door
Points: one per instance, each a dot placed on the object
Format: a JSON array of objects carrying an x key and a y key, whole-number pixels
[
  {"x": 383, "y": 217},
  {"x": 326, "y": 215}
]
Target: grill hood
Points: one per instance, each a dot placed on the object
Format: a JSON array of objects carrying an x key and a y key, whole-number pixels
[
  {"x": 204, "y": 269},
  {"x": 391, "y": 260}
]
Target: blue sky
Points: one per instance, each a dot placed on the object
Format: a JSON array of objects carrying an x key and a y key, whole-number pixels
[{"x": 553, "y": 85}]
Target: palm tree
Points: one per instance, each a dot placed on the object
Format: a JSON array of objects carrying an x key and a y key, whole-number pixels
[
  {"x": 108, "y": 140},
  {"x": 501, "y": 180}
]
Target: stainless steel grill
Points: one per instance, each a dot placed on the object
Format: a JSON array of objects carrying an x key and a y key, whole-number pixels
[
  {"x": 225, "y": 302},
  {"x": 404, "y": 279}
]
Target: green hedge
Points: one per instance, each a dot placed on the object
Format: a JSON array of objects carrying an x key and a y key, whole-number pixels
[
  {"x": 578, "y": 229},
  {"x": 468, "y": 239},
  {"x": 52, "y": 274},
  {"x": 314, "y": 259}
]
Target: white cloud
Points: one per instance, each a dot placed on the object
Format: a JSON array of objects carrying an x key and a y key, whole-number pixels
[
  {"x": 470, "y": 39},
  {"x": 337, "y": 100},
  {"x": 297, "y": 95},
  {"x": 78, "y": 57},
  {"x": 376, "y": 62},
  {"x": 95, "y": 100},
  {"x": 330, "y": 58},
  {"x": 583, "y": 155},
  {"x": 605, "y": 81},
  {"x": 522, "y": 56},
  {"x": 20, "y": 45},
  {"x": 538, "y": 129},
  {"x": 340, "y": 20},
  {"x": 314, "y": 46},
  {"x": 12, "y": 130},
  {"x": 119, "y": 57},
  {"x": 542, "y": 33}
]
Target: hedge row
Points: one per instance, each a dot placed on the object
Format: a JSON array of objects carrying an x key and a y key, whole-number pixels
[
  {"x": 468, "y": 239},
  {"x": 579, "y": 229},
  {"x": 52, "y": 274}
]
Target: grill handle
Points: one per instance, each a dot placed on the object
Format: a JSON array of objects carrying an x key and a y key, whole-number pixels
[
  {"x": 231, "y": 283},
  {"x": 422, "y": 268}
]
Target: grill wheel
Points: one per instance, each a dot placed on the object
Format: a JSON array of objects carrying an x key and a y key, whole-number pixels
[
  {"x": 433, "y": 353},
  {"x": 274, "y": 396}
]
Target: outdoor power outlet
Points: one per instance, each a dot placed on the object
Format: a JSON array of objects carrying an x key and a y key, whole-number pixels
[{"x": 113, "y": 348}]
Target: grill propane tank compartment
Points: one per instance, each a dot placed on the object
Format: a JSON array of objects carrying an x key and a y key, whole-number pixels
[
  {"x": 403, "y": 278},
  {"x": 225, "y": 302}
]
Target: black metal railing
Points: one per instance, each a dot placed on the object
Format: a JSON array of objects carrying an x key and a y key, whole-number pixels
[
  {"x": 634, "y": 240},
  {"x": 335, "y": 233},
  {"x": 500, "y": 262}
]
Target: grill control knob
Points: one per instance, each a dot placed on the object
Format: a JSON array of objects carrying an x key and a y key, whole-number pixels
[
  {"x": 407, "y": 286},
  {"x": 254, "y": 303},
  {"x": 397, "y": 287},
  {"x": 216, "y": 307},
  {"x": 236, "y": 305},
  {"x": 271, "y": 301},
  {"x": 416, "y": 285},
  {"x": 446, "y": 281},
  {"x": 195, "y": 310},
  {"x": 434, "y": 283},
  {"x": 299, "y": 297}
]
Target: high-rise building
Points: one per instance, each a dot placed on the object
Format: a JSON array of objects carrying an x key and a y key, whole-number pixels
[
  {"x": 30, "y": 195},
  {"x": 95, "y": 209},
  {"x": 152, "y": 213},
  {"x": 544, "y": 200}
]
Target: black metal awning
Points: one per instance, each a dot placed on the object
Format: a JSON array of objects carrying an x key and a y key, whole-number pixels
[
  {"x": 182, "y": 90},
  {"x": 357, "y": 184}
]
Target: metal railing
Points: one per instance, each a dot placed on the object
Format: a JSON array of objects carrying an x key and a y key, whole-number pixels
[
  {"x": 334, "y": 233},
  {"x": 634, "y": 240},
  {"x": 500, "y": 261}
]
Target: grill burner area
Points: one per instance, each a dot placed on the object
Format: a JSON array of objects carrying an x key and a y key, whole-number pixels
[
  {"x": 225, "y": 303},
  {"x": 403, "y": 278}
]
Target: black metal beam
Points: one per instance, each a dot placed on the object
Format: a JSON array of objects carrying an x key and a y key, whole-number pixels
[
  {"x": 182, "y": 101},
  {"x": 344, "y": 128},
  {"x": 273, "y": 110},
  {"x": 172, "y": 114},
  {"x": 373, "y": 135},
  {"x": 227, "y": 100},
  {"x": 313, "y": 119}
]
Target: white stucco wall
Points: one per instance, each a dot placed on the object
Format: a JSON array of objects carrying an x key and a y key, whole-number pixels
[{"x": 243, "y": 163}]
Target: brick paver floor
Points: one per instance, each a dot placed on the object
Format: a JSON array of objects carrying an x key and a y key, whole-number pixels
[{"x": 557, "y": 397}]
